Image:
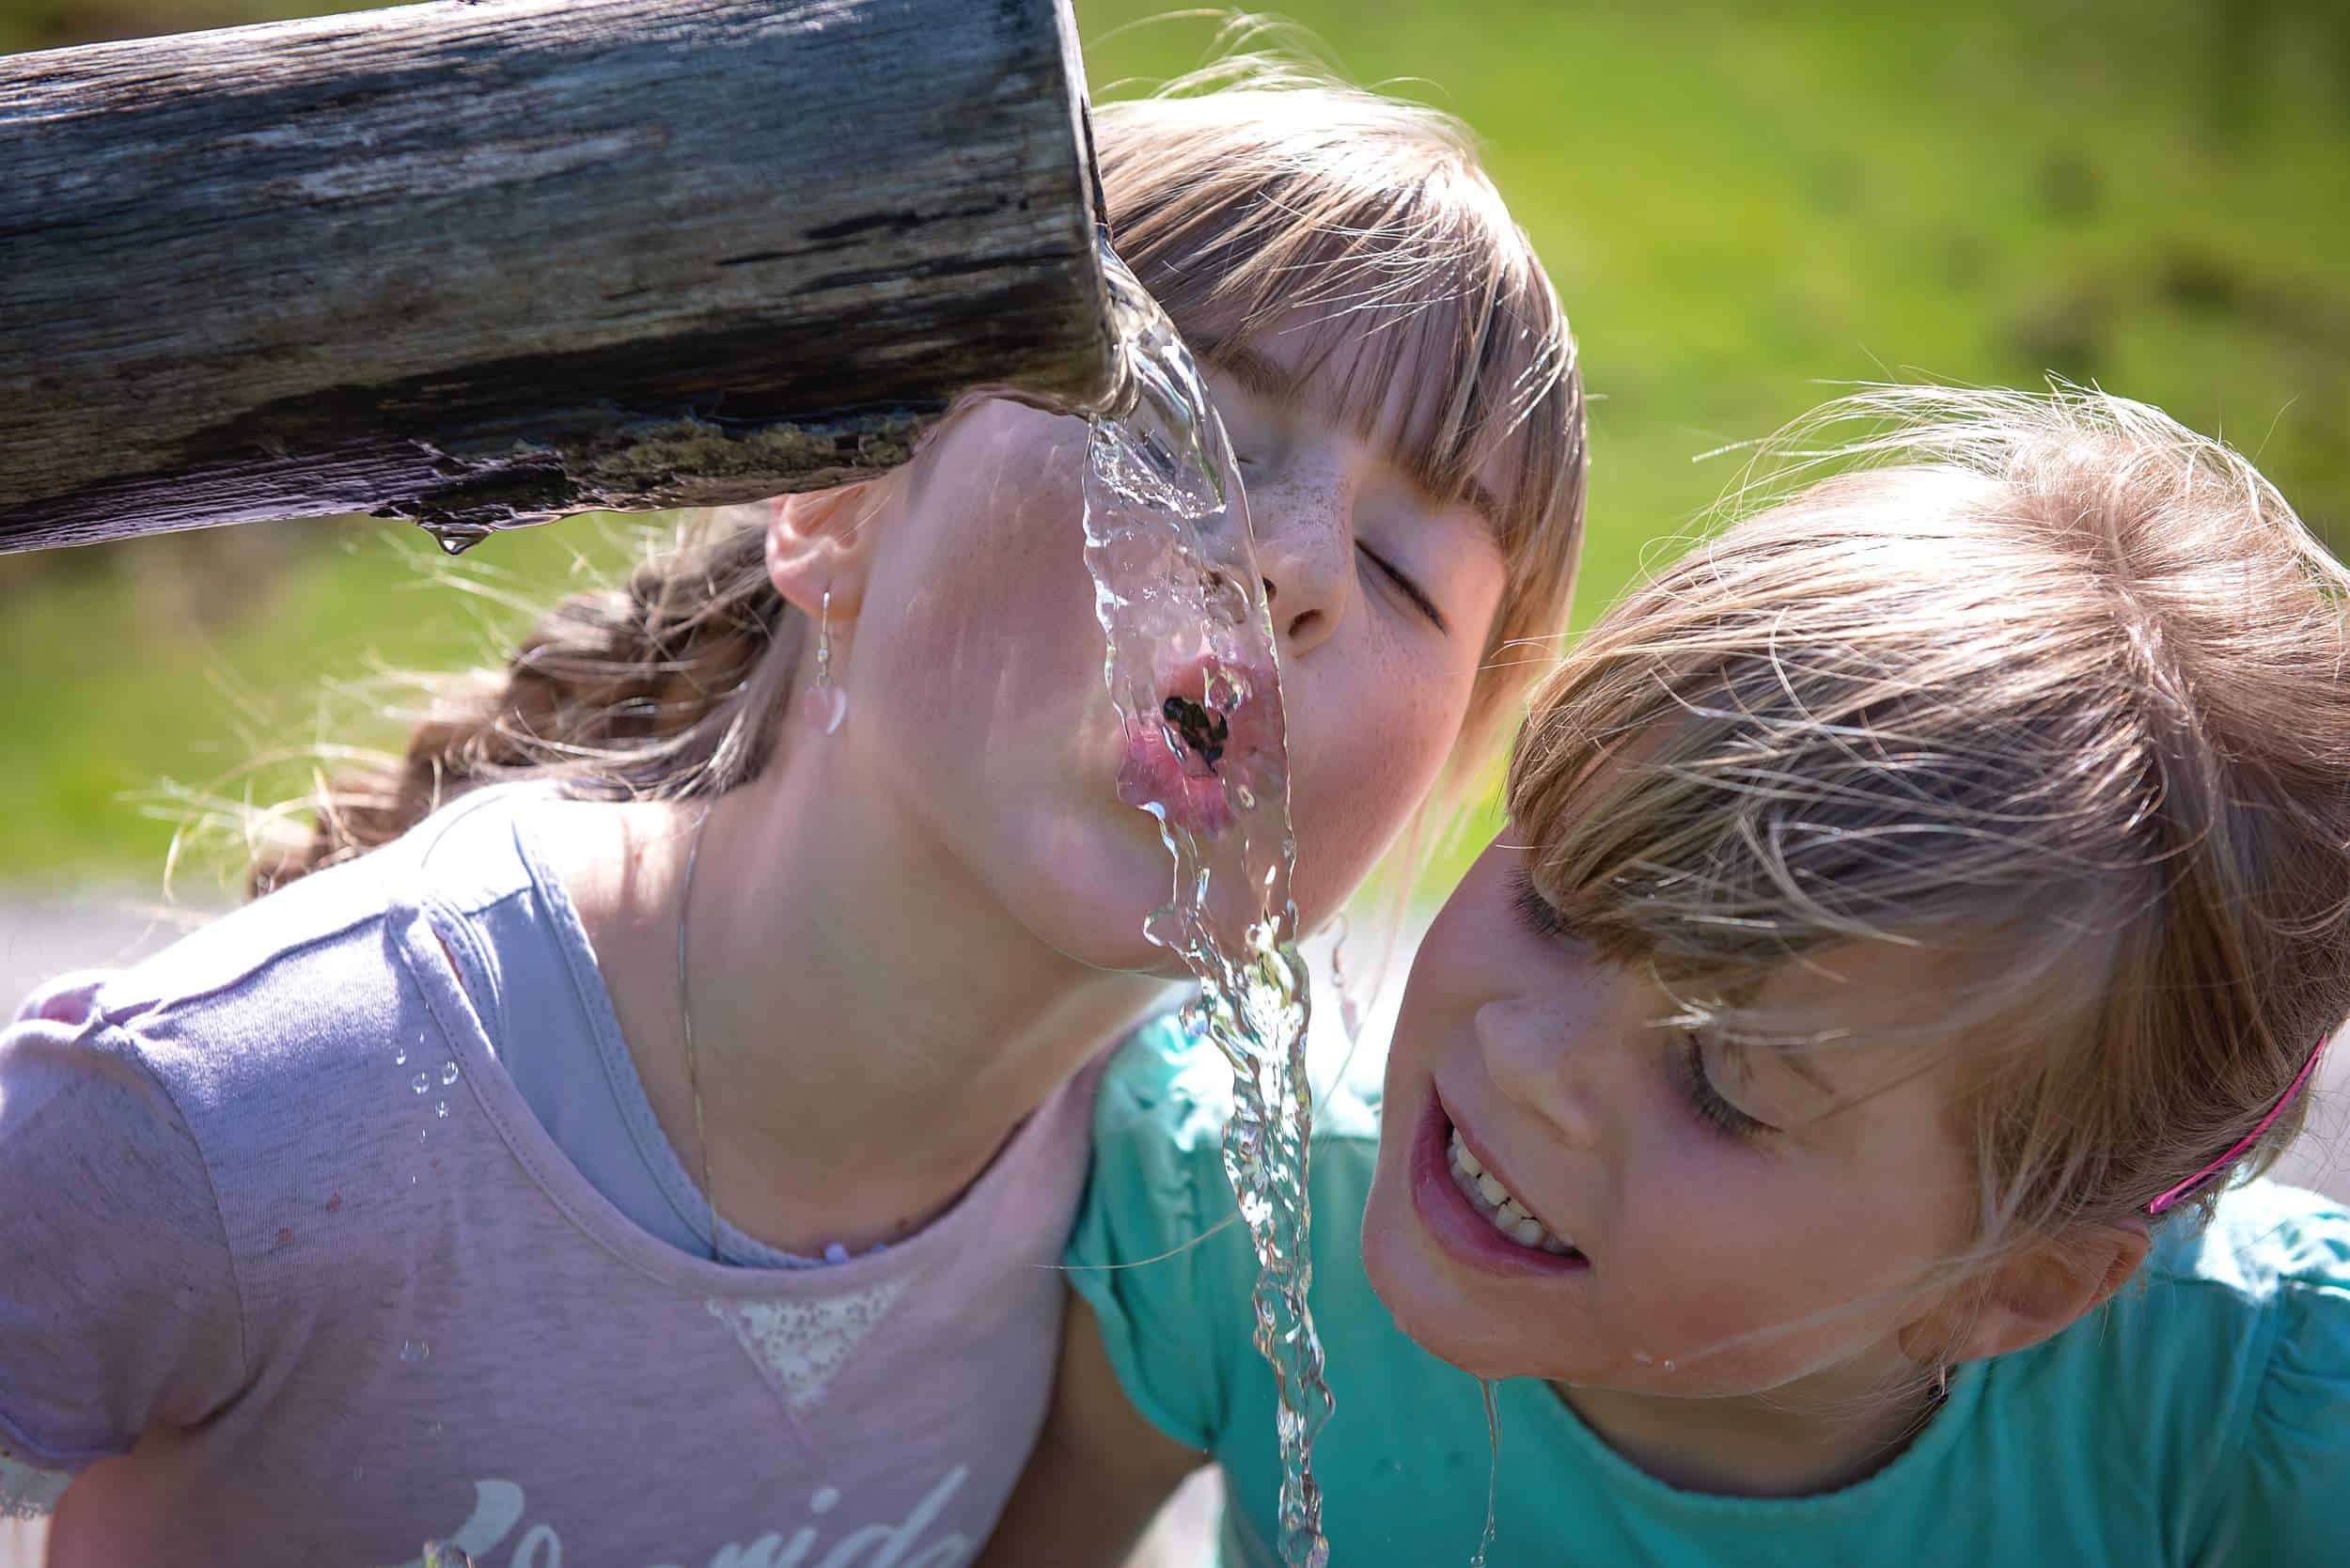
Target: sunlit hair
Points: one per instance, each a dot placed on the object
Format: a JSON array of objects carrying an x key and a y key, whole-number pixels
[
  {"x": 1258, "y": 200},
  {"x": 2048, "y": 689},
  {"x": 1254, "y": 197}
]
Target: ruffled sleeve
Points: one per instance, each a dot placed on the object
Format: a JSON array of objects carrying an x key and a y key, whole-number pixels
[
  {"x": 2290, "y": 1503},
  {"x": 1158, "y": 1251},
  {"x": 118, "y": 1303}
]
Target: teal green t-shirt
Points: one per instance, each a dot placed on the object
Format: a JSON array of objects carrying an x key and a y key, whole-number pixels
[{"x": 2202, "y": 1416}]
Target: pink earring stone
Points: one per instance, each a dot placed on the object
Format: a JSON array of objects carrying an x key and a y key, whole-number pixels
[{"x": 827, "y": 705}]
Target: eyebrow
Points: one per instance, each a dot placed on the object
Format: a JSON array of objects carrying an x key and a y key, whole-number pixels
[{"x": 1267, "y": 379}]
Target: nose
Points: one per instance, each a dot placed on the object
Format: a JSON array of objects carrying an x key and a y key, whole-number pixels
[
  {"x": 1531, "y": 1057},
  {"x": 1303, "y": 516}
]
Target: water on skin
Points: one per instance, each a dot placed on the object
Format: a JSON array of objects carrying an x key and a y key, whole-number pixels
[{"x": 1176, "y": 581}]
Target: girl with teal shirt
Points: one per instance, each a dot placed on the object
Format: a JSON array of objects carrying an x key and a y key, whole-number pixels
[{"x": 1813, "y": 1109}]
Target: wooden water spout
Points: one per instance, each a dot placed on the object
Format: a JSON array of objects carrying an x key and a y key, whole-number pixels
[{"x": 492, "y": 261}]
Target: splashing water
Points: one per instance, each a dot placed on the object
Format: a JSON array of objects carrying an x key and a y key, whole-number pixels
[{"x": 1191, "y": 670}]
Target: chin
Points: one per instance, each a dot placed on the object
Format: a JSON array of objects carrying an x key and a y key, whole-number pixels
[
  {"x": 1440, "y": 1330},
  {"x": 1428, "y": 1309},
  {"x": 1090, "y": 909}
]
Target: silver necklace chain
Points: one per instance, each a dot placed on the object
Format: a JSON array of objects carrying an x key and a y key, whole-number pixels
[{"x": 685, "y": 1010}]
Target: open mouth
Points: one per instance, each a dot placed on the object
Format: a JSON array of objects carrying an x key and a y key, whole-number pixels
[
  {"x": 1500, "y": 1206},
  {"x": 1195, "y": 764},
  {"x": 1467, "y": 1206}
]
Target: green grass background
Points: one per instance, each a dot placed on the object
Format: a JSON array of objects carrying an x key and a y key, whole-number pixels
[{"x": 1741, "y": 204}]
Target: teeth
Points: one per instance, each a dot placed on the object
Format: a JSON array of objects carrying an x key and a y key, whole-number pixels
[{"x": 1498, "y": 1205}]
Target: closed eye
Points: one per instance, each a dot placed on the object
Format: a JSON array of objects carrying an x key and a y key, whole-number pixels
[
  {"x": 1535, "y": 912},
  {"x": 1409, "y": 589},
  {"x": 1711, "y": 1105}
]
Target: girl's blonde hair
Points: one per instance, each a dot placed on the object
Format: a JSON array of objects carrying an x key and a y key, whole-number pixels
[
  {"x": 1253, "y": 196},
  {"x": 2049, "y": 688}
]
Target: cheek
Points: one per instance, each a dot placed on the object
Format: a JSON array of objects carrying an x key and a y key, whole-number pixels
[
  {"x": 1368, "y": 736},
  {"x": 980, "y": 626},
  {"x": 1747, "y": 1277}
]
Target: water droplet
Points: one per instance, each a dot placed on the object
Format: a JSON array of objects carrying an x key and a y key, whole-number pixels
[
  {"x": 400, "y": 1058},
  {"x": 423, "y": 1133},
  {"x": 1669, "y": 1363},
  {"x": 448, "y": 1073},
  {"x": 455, "y": 539},
  {"x": 443, "y": 1107},
  {"x": 1245, "y": 796},
  {"x": 823, "y": 1500},
  {"x": 433, "y": 1431},
  {"x": 412, "y": 1351},
  {"x": 420, "y": 1083}
]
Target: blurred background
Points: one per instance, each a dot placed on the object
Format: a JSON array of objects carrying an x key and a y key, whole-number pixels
[
  {"x": 1745, "y": 206},
  {"x": 1740, "y": 203}
]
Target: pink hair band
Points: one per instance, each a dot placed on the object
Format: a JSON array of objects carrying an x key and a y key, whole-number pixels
[{"x": 2184, "y": 1188}]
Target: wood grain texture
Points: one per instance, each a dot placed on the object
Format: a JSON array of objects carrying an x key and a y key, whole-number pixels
[{"x": 485, "y": 263}]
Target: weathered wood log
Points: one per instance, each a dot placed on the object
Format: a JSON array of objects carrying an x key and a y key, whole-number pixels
[{"x": 492, "y": 262}]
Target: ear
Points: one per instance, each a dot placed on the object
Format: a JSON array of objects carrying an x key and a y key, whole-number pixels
[
  {"x": 820, "y": 541},
  {"x": 2032, "y": 1295}
]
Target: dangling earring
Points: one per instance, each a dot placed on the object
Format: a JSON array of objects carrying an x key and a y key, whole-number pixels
[
  {"x": 828, "y": 703},
  {"x": 1941, "y": 1382}
]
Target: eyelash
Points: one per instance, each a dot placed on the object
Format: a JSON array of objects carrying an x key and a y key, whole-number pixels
[
  {"x": 1410, "y": 590},
  {"x": 1534, "y": 911},
  {"x": 1707, "y": 1102},
  {"x": 1404, "y": 584},
  {"x": 1537, "y": 915}
]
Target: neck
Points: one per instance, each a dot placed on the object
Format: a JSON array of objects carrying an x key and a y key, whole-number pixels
[
  {"x": 869, "y": 1026},
  {"x": 1825, "y": 1431}
]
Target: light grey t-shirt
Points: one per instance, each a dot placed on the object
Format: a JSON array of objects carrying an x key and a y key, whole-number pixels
[
  {"x": 526, "y": 962},
  {"x": 296, "y": 1274}
]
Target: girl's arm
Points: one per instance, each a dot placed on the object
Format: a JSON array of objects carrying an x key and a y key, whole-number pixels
[{"x": 1100, "y": 1471}]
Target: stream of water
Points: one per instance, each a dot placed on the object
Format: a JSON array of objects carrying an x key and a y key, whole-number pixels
[{"x": 1192, "y": 671}]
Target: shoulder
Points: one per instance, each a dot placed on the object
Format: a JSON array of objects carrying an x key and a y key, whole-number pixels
[
  {"x": 1164, "y": 1089},
  {"x": 2225, "y": 1371},
  {"x": 2263, "y": 1240},
  {"x": 295, "y": 969},
  {"x": 1167, "y": 1095},
  {"x": 2280, "y": 1260},
  {"x": 292, "y": 982},
  {"x": 264, "y": 1042},
  {"x": 235, "y": 952}
]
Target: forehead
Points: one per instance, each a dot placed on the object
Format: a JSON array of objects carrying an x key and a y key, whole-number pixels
[{"x": 1386, "y": 382}]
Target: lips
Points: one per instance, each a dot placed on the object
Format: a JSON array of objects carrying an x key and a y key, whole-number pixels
[
  {"x": 1202, "y": 755},
  {"x": 1471, "y": 1230}
]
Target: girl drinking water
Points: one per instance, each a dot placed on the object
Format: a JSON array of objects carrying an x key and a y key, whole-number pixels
[
  {"x": 1917, "y": 905},
  {"x": 642, "y": 1133}
]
